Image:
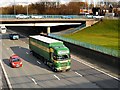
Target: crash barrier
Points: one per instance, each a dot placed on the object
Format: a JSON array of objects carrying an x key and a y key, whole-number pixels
[
  {"x": 47, "y": 16},
  {"x": 7, "y": 16},
  {"x": 101, "y": 49},
  {"x": 72, "y": 30}
]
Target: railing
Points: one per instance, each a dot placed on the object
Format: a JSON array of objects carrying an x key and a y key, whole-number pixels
[
  {"x": 7, "y": 16},
  {"x": 46, "y": 16},
  {"x": 101, "y": 49}
]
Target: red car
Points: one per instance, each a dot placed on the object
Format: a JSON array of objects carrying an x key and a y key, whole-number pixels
[{"x": 15, "y": 61}]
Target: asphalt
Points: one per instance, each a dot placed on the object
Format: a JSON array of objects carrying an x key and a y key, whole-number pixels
[{"x": 38, "y": 75}]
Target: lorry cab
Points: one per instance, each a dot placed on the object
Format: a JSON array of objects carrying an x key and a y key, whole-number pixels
[
  {"x": 3, "y": 29},
  {"x": 61, "y": 58}
]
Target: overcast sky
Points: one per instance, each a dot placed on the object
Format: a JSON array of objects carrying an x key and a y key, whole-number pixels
[{"x": 7, "y": 2}]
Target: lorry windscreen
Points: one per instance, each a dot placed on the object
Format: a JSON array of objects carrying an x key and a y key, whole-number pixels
[{"x": 63, "y": 57}]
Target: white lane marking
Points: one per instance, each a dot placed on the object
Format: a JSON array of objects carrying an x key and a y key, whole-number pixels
[
  {"x": 27, "y": 53},
  {"x": 3, "y": 44},
  {"x": 13, "y": 42},
  {"x": 88, "y": 64},
  {"x": 57, "y": 77},
  {"x": 78, "y": 74},
  {"x": 7, "y": 48},
  {"x": 34, "y": 81},
  {"x": 38, "y": 62},
  {"x": 6, "y": 76}
]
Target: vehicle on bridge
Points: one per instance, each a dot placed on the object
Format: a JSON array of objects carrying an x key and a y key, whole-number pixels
[
  {"x": 14, "y": 36},
  {"x": 15, "y": 61},
  {"x": 98, "y": 17},
  {"x": 22, "y": 16},
  {"x": 36, "y": 17},
  {"x": 66, "y": 17},
  {"x": 53, "y": 52},
  {"x": 3, "y": 29}
]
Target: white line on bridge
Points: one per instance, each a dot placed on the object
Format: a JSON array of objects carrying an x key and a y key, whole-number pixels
[
  {"x": 57, "y": 77},
  {"x": 38, "y": 62},
  {"x": 42, "y": 24},
  {"x": 78, "y": 74}
]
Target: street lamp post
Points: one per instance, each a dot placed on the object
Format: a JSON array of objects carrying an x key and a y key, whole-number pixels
[
  {"x": 27, "y": 7},
  {"x": 14, "y": 8}
]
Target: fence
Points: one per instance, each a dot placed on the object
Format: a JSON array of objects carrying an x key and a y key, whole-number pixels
[
  {"x": 75, "y": 29},
  {"x": 46, "y": 16},
  {"x": 101, "y": 49}
]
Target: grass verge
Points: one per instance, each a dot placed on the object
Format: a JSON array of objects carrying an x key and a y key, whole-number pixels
[{"x": 104, "y": 33}]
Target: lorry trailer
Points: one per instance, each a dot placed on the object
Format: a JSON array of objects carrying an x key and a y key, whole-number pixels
[{"x": 53, "y": 52}]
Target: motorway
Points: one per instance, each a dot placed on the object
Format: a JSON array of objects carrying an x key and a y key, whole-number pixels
[{"x": 34, "y": 74}]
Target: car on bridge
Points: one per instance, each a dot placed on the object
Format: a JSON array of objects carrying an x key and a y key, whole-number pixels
[
  {"x": 89, "y": 16},
  {"x": 22, "y": 16},
  {"x": 15, "y": 61},
  {"x": 36, "y": 16},
  {"x": 66, "y": 17},
  {"x": 98, "y": 17}
]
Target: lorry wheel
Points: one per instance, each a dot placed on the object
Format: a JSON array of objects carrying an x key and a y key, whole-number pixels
[
  {"x": 53, "y": 68},
  {"x": 67, "y": 70},
  {"x": 45, "y": 62},
  {"x": 33, "y": 53}
]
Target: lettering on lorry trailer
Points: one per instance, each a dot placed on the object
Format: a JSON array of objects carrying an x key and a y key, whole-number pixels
[{"x": 55, "y": 53}]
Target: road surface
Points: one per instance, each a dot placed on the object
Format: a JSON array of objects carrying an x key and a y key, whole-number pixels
[{"x": 34, "y": 74}]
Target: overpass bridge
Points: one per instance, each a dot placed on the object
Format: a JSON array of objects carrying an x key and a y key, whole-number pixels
[
  {"x": 46, "y": 22},
  {"x": 88, "y": 22}
]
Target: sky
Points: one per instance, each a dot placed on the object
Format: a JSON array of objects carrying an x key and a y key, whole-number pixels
[{"x": 8, "y": 2}]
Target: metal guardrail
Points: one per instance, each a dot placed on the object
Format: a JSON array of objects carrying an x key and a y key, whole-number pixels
[
  {"x": 45, "y": 16},
  {"x": 75, "y": 29},
  {"x": 7, "y": 16},
  {"x": 101, "y": 49}
]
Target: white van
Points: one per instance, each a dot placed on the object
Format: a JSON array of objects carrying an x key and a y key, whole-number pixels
[{"x": 3, "y": 29}]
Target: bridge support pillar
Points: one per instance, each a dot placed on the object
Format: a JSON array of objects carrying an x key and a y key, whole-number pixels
[{"x": 48, "y": 30}]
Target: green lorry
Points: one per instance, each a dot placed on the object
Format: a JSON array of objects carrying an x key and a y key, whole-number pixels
[{"x": 53, "y": 52}]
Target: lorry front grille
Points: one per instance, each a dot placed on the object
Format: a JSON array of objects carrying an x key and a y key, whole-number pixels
[{"x": 63, "y": 64}]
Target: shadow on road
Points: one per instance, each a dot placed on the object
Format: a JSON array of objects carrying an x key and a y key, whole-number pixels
[
  {"x": 6, "y": 61},
  {"x": 25, "y": 54},
  {"x": 5, "y": 36}
]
